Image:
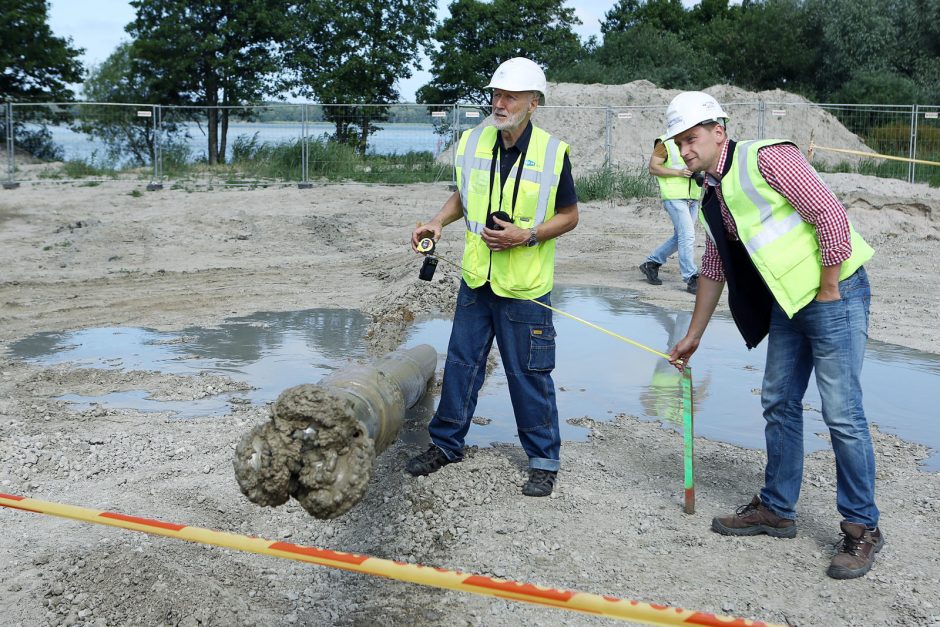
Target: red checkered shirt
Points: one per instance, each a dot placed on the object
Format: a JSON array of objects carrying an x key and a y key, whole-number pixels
[{"x": 790, "y": 174}]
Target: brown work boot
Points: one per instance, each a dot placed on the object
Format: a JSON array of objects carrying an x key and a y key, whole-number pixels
[
  {"x": 753, "y": 519},
  {"x": 857, "y": 553}
]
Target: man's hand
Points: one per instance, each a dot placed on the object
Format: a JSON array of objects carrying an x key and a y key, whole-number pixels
[
  {"x": 829, "y": 294},
  {"x": 682, "y": 352},
  {"x": 829, "y": 284},
  {"x": 431, "y": 229},
  {"x": 508, "y": 237}
]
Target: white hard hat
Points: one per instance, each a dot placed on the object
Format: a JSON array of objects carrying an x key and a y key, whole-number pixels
[
  {"x": 518, "y": 74},
  {"x": 691, "y": 108}
]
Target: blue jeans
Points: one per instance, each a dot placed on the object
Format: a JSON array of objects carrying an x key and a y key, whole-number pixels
[
  {"x": 526, "y": 339},
  {"x": 682, "y": 213},
  {"x": 829, "y": 338}
]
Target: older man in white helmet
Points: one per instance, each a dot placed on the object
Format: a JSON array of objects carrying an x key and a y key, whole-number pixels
[
  {"x": 515, "y": 195},
  {"x": 793, "y": 264}
]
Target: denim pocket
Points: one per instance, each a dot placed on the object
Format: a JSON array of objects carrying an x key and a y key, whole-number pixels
[
  {"x": 466, "y": 296},
  {"x": 532, "y": 326},
  {"x": 542, "y": 348},
  {"x": 527, "y": 312},
  {"x": 855, "y": 285}
]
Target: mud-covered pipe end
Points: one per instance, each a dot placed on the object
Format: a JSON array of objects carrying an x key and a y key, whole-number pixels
[{"x": 314, "y": 449}]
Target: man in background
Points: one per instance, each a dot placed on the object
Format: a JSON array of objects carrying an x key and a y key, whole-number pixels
[{"x": 680, "y": 199}]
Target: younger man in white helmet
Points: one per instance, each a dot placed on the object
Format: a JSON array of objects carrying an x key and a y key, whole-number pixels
[
  {"x": 793, "y": 264},
  {"x": 515, "y": 195}
]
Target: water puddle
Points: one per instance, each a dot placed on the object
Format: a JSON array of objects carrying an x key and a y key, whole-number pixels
[
  {"x": 269, "y": 351},
  {"x": 595, "y": 375}
]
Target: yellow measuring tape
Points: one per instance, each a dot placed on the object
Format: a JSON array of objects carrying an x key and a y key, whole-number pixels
[
  {"x": 414, "y": 573},
  {"x": 873, "y": 155},
  {"x": 558, "y": 311}
]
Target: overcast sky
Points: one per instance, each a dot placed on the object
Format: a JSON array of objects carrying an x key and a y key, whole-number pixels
[{"x": 98, "y": 27}]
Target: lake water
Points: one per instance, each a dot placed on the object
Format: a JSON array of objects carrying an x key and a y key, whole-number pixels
[{"x": 388, "y": 140}]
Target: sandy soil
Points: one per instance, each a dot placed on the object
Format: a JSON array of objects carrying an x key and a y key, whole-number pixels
[{"x": 76, "y": 257}]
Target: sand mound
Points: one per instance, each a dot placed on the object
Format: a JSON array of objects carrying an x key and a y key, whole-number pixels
[{"x": 579, "y": 115}]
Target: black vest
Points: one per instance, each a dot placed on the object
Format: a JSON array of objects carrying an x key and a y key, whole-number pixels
[{"x": 749, "y": 297}]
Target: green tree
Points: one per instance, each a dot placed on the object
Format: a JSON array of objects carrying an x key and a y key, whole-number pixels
[
  {"x": 352, "y": 53},
  {"x": 878, "y": 87},
  {"x": 737, "y": 39},
  {"x": 644, "y": 53},
  {"x": 919, "y": 47},
  {"x": 479, "y": 35},
  {"x": 856, "y": 36},
  {"x": 37, "y": 66},
  {"x": 668, "y": 15},
  {"x": 210, "y": 53},
  {"x": 127, "y": 135}
]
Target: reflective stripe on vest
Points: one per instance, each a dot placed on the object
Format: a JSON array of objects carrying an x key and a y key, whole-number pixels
[
  {"x": 520, "y": 271},
  {"x": 783, "y": 247},
  {"x": 468, "y": 149},
  {"x": 675, "y": 187}
]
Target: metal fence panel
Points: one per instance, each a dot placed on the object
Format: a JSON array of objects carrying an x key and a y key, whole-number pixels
[
  {"x": 302, "y": 143},
  {"x": 583, "y": 128},
  {"x": 926, "y": 144},
  {"x": 633, "y": 132},
  {"x": 860, "y": 128},
  {"x": 252, "y": 144},
  {"x": 71, "y": 140}
]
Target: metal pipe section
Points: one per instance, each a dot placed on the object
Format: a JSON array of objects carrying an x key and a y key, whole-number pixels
[{"x": 322, "y": 439}]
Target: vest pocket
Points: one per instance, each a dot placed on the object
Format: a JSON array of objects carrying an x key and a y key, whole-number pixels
[{"x": 525, "y": 268}]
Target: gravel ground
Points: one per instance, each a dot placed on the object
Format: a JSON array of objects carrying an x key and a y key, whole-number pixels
[{"x": 83, "y": 257}]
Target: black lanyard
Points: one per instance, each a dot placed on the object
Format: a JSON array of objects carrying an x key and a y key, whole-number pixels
[{"x": 497, "y": 156}]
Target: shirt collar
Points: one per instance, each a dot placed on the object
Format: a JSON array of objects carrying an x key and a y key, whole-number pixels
[
  {"x": 522, "y": 144},
  {"x": 723, "y": 165}
]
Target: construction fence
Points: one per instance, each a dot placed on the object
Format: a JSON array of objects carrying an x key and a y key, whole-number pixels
[{"x": 310, "y": 144}]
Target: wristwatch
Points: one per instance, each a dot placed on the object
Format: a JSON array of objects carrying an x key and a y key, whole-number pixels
[{"x": 533, "y": 238}]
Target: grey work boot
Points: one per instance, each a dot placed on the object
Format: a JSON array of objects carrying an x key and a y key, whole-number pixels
[{"x": 651, "y": 270}]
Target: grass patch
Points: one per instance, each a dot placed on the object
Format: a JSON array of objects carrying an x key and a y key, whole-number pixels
[
  {"x": 135, "y": 193},
  {"x": 610, "y": 184}
]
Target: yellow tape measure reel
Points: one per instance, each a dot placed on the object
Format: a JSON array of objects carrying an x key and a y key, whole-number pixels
[{"x": 425, "y": 245}]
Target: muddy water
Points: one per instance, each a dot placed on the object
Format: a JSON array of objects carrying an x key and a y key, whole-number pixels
[
  {"x": 270, "y": 351},
  {"x": 599, "y": 376},
  {"x": 596, "y": 375}
]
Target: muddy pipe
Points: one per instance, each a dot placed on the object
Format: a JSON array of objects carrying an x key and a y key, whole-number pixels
[{"x": 323, "y": 438}]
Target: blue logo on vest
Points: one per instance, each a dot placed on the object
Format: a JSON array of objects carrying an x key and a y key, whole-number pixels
[{"x": 529, "y": 162}]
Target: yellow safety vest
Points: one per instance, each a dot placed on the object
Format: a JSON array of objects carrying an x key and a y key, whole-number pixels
[
  {"x": 784, "y": 248},
  {"x": 675, "y": 187},
  {"x": 522, "y": 271}
]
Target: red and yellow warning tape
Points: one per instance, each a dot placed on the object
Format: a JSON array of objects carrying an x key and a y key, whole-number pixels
[{"x": 414, "y": 573}]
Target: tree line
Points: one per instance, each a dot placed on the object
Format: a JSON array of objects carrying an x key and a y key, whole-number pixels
[{"x": 218, "y": 55}]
